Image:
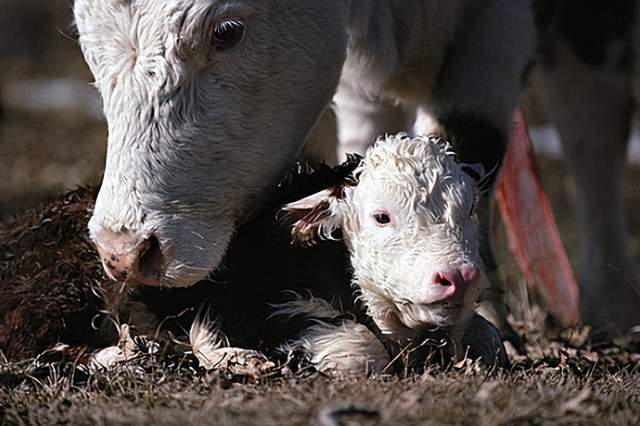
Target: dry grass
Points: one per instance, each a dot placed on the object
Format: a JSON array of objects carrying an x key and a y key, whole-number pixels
[{"x": 174, "y": 391}]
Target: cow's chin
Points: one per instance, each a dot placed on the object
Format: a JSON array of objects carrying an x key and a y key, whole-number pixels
[
  {"x": 194, "y": 260},
  {"x": 177, "y": 279}
]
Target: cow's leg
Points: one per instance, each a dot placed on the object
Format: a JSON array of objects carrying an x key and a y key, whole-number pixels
[
  {"x": 345, "y": 349},
  {"x": 591, "y": 107},
  {"x": 362, "y": 118},
  {"x": 474, "y": 98},
  {"x": 333, "y": 344}
]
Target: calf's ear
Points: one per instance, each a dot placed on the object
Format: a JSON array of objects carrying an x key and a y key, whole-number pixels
[
  {"x": 309, "y": 202},
  {"x": 316, "y": 217}
]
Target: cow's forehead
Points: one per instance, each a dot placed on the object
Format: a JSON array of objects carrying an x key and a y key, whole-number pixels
[
  {"x": 160, "y": 36},
  {"x": 171, "y": 15}
]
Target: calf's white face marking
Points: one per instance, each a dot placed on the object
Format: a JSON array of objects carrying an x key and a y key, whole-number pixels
[
  {"x": 207, "y": 102},
  {"x": 409, "y": 218}
]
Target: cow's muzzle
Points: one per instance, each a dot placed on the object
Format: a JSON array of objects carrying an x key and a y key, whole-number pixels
[{"x": 129, "y": 257}]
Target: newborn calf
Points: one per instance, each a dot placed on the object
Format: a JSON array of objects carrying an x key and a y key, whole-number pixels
[{"x": 408, "y": 222}]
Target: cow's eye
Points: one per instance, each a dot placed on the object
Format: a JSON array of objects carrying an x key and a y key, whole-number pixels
[
  {"x": 227, "y": 34},
  {"x": 381, "y": 218}
]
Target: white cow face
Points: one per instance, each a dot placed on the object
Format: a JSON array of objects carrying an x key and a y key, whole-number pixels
[
  {"x": 411, "y": 232},
  {"x": 207, "y": 102}
]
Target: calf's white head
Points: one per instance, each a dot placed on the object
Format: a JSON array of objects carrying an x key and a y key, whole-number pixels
[
  {"x": 410, "y": 228},
  {"x": 207, "y": 103}
]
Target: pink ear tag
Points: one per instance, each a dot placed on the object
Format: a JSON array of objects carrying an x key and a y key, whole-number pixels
[{"x": 531, "y": 228}]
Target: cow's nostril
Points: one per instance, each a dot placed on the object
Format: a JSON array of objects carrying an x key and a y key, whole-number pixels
[
  {"x": 150, "y": 263},
  {"x": 130, "y": 258}
]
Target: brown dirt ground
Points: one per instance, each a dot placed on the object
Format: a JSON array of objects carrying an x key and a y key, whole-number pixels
[{"x": 155, "y": 395}]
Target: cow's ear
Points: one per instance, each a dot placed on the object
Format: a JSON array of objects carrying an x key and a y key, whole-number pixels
[
  {"x": 475, "y": 171},
  {"x": 315, "y": 217}
]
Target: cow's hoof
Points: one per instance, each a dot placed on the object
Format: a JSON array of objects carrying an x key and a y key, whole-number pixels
[
  {"x": 496, "y": 312},
  {"x": 483, "y": 341}
]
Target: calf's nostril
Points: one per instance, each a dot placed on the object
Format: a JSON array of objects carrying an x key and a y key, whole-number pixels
[{"x": 443, "y": 281}]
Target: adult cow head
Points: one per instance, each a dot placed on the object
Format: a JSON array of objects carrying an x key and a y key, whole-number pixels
[{"x": 207, "y": 102}]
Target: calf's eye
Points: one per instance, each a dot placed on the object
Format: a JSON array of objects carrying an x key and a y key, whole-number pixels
[
  {"x": 227, "y": 34},
  {"x": 381, "y": 218}
]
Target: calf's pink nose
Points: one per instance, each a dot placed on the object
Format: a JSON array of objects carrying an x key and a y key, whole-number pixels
[
  {"x": 129, "y": 257},
  {"x": 455, "y": 282}
]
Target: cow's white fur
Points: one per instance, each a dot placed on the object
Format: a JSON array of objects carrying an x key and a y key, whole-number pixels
[
  {"x": 206, "y": 340},
  {"x": 197, "y": 136},
  {"x": 384, "y": 87},
  {"x": 418, "y": 183}
]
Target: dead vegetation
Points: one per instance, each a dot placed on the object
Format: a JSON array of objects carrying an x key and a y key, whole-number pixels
[
  {"x": 168, "y": 388},
  {"x": 556, "y": 381}
]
